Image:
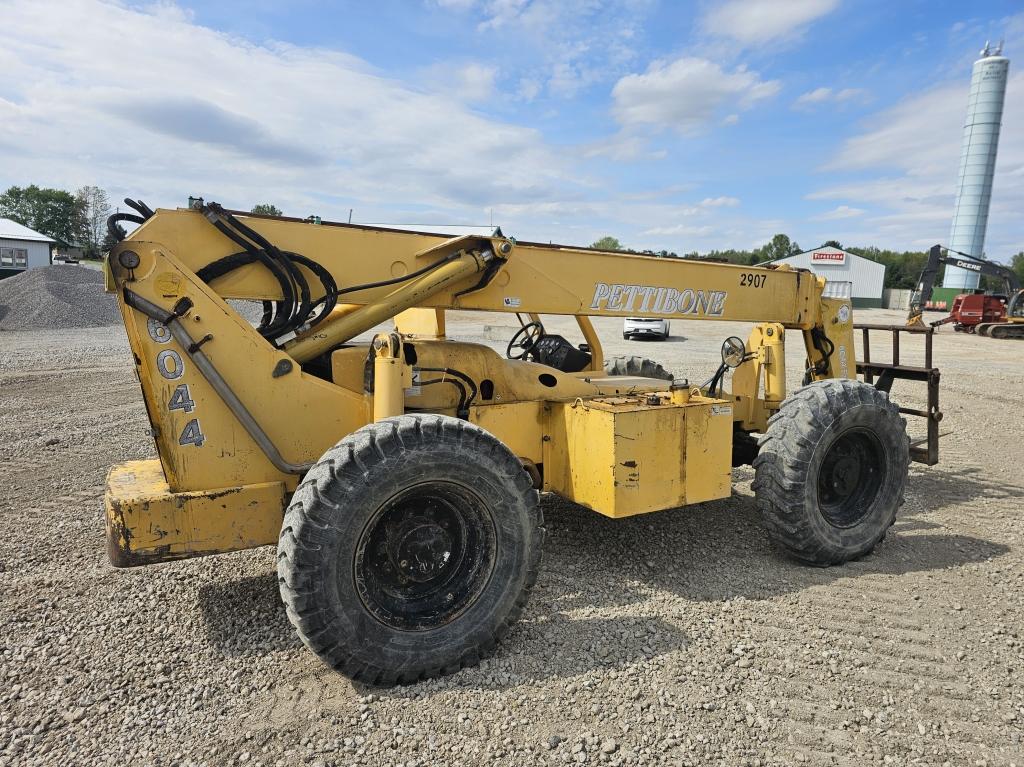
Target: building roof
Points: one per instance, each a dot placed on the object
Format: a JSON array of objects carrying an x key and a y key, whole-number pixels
[
  {"x": 12, "y": 230},
  {"x": 824, "y": 251}
]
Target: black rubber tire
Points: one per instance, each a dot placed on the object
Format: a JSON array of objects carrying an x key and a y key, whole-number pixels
[
  {"x": 339, "y": 500},
  {"x": 635, "y": 366},
  {"x": 793, "y": 452}
]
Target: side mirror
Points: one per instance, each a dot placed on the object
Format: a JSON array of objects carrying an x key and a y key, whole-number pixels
[{"x": 733, "y": 352}]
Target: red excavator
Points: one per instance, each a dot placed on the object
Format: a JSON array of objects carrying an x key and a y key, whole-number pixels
[{"x": 996, "y": 316}]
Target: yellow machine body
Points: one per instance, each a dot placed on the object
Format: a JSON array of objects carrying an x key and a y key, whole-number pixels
[
  {"x": 628, "y": 455},
  {"x": 147, "y": 522},
  {"x": 237, "y": 421}
]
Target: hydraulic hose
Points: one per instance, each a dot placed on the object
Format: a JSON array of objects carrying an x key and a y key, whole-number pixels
[
  {"x": 295, "y": 311},
  {"x": 392, "y": 281},
  {"x": 463, "y": 407},
  {"x": 112, "y": 223},
  {"x": 461, "y": 376}
]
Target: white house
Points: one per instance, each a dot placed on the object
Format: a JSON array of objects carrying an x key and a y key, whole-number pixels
[{"x": 21, "y": 248}]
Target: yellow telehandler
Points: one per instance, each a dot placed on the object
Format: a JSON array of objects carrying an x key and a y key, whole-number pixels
[{"x": 400, "y": 478}]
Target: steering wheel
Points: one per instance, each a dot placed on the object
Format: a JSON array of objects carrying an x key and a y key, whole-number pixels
[{"x": 525, "y": 340}]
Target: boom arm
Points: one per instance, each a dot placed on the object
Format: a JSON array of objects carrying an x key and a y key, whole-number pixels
[{"x": 524, "y": 278}]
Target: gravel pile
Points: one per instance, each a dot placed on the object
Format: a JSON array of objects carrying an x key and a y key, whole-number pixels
[{"x": 55, "y": 298}]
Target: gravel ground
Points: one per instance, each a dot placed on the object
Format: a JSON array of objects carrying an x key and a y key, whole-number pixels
[{"x": 678, "y": 638}]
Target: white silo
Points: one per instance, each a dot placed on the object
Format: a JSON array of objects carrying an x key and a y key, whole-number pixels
[{"x": 977, "y": 163}]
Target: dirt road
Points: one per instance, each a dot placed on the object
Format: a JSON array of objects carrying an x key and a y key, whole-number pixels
[{"x": 680, "y": 637}]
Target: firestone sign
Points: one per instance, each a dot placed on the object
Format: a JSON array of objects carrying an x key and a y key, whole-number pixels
[{"x": 829, "y": 256}]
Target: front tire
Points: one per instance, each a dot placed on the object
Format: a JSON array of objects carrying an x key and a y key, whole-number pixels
[
  {"x": 409, "y": 549},
  {"x": 831, "y": 471}
]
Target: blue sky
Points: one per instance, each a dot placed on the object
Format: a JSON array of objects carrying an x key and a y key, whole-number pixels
[{"x": 685, "y": 126}]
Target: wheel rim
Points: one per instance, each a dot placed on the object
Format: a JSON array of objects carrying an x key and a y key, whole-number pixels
[
  {"x": 850, "y": 477},
  {"x": 425, "y": 556}
]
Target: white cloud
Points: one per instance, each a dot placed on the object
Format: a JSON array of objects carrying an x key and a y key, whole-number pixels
[
  {"x": 719, "y": 202},
  {"x": 202, "y": 112},
  {"x": 477, "y": 81},
  {"x": 472, "y": 82},
  {"x": 572, "y": 44},
  {"x": 816, "y": 96},
  {"x": 753, "y": 22},
  {"x": 839, "y": 212},
  {"x": 687, "y": 229},
  {"x": 623, "y": 148},
  {"x": 640, "y": 221},
  {"x": 528, "y": 89},
  {"x": 673, "y": 190},
  {"x": 501, "y": 13},
  {"x": 914, "y": 150},
  {"x": 894, "y": 139},
  {"x": 455, "y": 5},
  {"x": 828, "y": 95},
  {"x": 686, "y": 94}
]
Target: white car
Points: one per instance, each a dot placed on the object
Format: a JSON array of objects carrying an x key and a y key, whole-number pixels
[{"x": 645, "y": 327}]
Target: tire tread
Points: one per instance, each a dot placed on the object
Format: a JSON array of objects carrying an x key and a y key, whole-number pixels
[
  {"x": 784, "y": 461},
  {"x": 316, "y": 508}
]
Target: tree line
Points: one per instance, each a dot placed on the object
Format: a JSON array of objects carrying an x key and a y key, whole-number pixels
[
  {"x": 72, "y": 218},
  {"x": 902, "y": 268}
]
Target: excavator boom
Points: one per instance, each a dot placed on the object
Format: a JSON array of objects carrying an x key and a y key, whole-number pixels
[{"x": 922, "y": 294}]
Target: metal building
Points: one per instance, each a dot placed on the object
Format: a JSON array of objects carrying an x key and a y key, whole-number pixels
[
  {"x": 21, "y": 248},
  {"x": 865, "y": 278},
  {"x": 977, "y": 163}
]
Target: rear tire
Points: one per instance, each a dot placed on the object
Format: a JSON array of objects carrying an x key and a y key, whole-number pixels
[
  {"x": 409, "y": 549},
  {"x": 635, "y": 366},
  {"x": 831, "y": 471}
]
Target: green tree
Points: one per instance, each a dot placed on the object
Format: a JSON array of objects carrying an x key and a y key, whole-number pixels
[
  {"x": 902, "y": 269},
  {"x": 1017, "y": 264},
  {"x": 266, "y": 209},
  {"x": 52, "y": 212},
  {"x": 833, "y": 244},
  {"x": 607, "y": 243},
  {"x": 95, "y": 209},
  {"x": 780, "y": 246}
]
